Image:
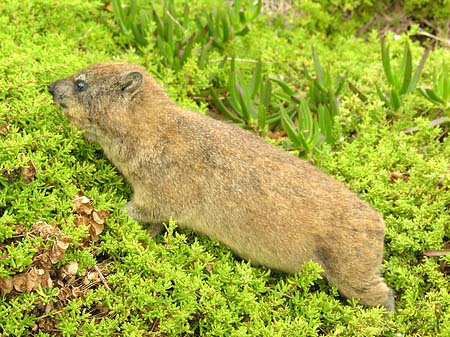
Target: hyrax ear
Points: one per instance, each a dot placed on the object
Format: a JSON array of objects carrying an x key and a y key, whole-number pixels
[{"x": 130, "y": 83}]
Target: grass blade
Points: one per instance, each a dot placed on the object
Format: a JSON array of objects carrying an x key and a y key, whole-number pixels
[
  {"x": 357, "y": 92},
  {"x": 430, "y": 95},
  {"x": 382, "y": 96},
  {"x": 445, "y": 82},
  {"x": 289, "y": 128},
  {"x": 418, "y": 71},
  {"x": 394, "y": 100},
  {"x": 317, "y": 67},
  {"x": 406, "y": 70},
  {"x": 255, "y": 82},
  {"x": 385, "y": 58},
  {"x": 222, "y": 108},
  {"x": 120, "y": 15}
]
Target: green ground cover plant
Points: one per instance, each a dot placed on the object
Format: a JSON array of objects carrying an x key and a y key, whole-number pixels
[{"x": 72, "y": 263}]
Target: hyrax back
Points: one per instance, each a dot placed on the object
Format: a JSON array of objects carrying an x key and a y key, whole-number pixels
[{"x": 268, "y": 206}]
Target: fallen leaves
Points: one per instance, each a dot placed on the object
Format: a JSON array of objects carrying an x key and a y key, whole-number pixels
[
  {"x": 27, "y": 174},
  {"x": 47, "y": 271},
  {"x": 44, "y": 271},
  {"x": 88, "y": 216},
  {"x": 31, "y": 280}
]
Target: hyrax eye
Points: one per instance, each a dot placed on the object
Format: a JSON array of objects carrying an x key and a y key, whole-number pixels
[{"x": 80, "y": 85}]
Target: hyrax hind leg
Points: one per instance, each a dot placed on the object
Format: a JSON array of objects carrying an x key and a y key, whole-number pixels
[
  {"x": 356, "y": 274},
  {"x": 372, "y": 290}
]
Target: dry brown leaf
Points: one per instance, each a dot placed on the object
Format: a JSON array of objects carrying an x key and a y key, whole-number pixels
[
  {"x": 95, "y": 230},
  {"x": 57, "y": 254},
  {"x": 32, "y": 280},
  {"x": 63, "y": 241},
  {"x": 29, "y": 173},
  {"x": 78, "y": 292},
  {"x": 5, "y": 128},
  {"x": 59, "y": 248},
  {"x": 46, "y": 230},
  {"x": 6, "y": 284},
  {"x": 93, "y": 276},
  {"x": 83, "y": 205},
  {"x": 69, "y": 270},
  {"x": 81, "y": 220},
  {"x": 209, "y": 268},
  {"x": 20, "y": 282},
  {"x": 43, "y": 260},
  {"x": 64, "y": 293},
  {"x": 107, "y": 6},
  {"x": 100, "y": 216},
  {"x": 20, "y": 229},
  {"x": 8, "y": 175},
  {"x": 87, "y": 215},
  {"x": 47, "y": 325},
  {"x": 393, "y": 176},
  {"x": 103, "y": 310}
]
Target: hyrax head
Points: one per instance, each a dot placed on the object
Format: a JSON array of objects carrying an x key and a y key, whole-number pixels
[{"x": 99, "y": 95}]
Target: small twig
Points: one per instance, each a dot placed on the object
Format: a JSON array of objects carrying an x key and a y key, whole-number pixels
[
  {"x": 425, "y": 33},
  {"x": 175, "y": 20},
  {"x": 238, "y": 60},
  {"x": 434, "y": 122},
  {"x": 437, "y": 253},
  {"x": 97, "y": 269}
]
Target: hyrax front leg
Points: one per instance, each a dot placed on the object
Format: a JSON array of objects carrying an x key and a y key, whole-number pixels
[{"x": 144, "y": 216}]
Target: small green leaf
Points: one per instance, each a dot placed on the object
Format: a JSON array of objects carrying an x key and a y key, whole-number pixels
[
  {"x": 326, "y": 124},
  {"x": 257, "y": 11},
  {"x": 264, "y": 105}
]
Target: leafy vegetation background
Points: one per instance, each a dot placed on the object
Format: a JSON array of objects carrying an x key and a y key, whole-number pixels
[{"x": 180, "y": 284}]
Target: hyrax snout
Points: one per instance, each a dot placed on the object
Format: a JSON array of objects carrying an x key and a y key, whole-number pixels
[{"x": 217, "y": 179}]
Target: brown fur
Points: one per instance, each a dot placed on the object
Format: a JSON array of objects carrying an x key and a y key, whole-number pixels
[{"x": 217, "y": 179}]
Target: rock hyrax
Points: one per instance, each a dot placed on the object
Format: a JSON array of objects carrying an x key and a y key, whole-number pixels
[{"x": 217, "y": 179}]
